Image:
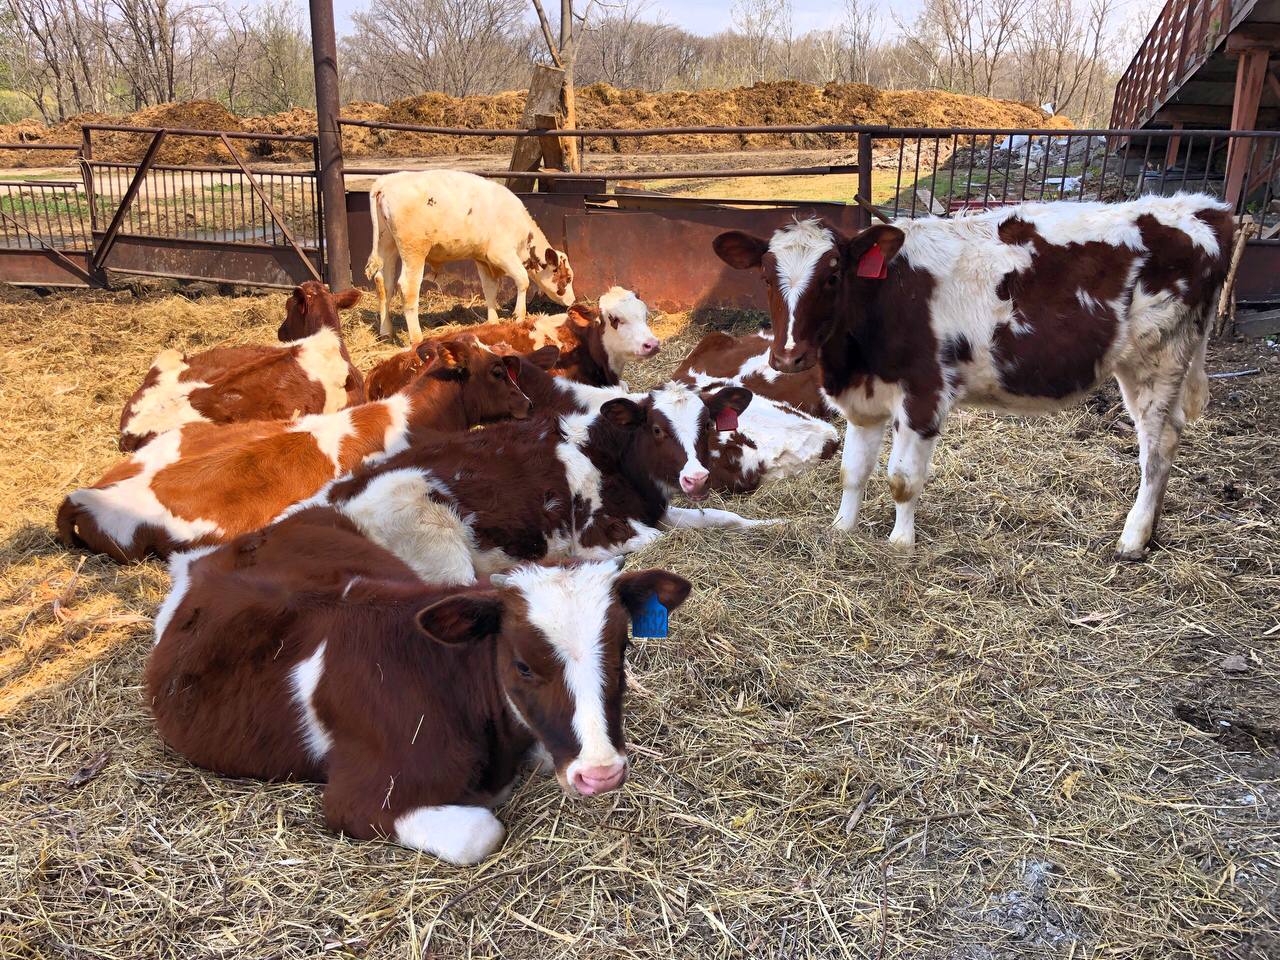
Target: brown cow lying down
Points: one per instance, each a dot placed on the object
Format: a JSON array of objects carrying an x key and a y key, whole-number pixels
[
  {"x": 305, "y": 652},
  {"x": 1022, "y": 309},
  {"x": 309, "y": 373},
  {"x": 745, "y": 360},
  {"x": 206, "y": 483},
  {"x": 585, "y": 486},
  {"x": 595, "y": 344}
]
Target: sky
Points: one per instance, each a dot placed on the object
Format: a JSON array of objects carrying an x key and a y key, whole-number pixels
[
  {"x": 712, "y": 16},
  {"x": 696, "y": 16}
]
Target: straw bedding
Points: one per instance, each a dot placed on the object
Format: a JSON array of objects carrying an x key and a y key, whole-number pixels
[{"x": 1006, "y": 746}]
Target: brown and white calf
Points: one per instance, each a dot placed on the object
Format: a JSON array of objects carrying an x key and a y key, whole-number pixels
[
  {"x": 440, "y": 216},
  {"x": 206, "y": 483},
  {"x": 588, "y": 485},
  {"x": 310, "y": 372},
  {"x": 595, "y": 344},
  {"x": 305, "y": 652},
  {"x": 745, "y": 359},
  {"x": 1022, "y": 309}
]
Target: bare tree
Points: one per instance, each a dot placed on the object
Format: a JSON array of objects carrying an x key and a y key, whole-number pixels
[{"x": 766, "y": 26}]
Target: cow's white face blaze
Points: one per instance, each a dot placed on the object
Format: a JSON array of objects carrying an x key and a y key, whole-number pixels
[
  {"x": 626, "y": 332},
  {"x": 561, "y": 636}
]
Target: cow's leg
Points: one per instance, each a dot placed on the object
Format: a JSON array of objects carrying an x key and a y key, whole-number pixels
[
  {"x": 686, "y": 517},
  {"x": 1154, "y": 400},
  {"x": 908, "y": 471},
  {"x": 489, "y": 283},
  {"x": 390, "y": 256},
  {"x": 861, "y": 451},
  {"x": 513, "y": 268},
  {"x": 362, "y": 792},
  {"x": 458, "y": 834},
  {"x": 410, "y": 287}
]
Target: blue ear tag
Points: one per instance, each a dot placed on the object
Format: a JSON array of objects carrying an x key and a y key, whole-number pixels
[{"x": 651, "y": 621}]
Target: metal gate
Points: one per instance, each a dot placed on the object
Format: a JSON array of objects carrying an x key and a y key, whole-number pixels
[{"x": 226, "y": 222}]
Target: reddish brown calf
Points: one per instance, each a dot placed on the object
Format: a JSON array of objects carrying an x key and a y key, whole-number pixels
[
  {"x": 745, "y": 360},
  {"x": 306, "y": 652},
  {"x": 310, "y": 372},
  {"x": 585, "y": 486},
  {"x": 595, "y": 344},
  {"x": 206, "y": 483}
]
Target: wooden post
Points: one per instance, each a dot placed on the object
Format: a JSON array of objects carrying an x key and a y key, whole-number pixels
[
  {"x": 1171, "y": 149},
  {"x": 1251, "y": 75},
  {"x": 543, "y": 101}
]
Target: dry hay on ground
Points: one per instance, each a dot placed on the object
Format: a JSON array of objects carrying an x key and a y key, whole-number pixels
[
  {"x": 975, "y": 753},
  {"x": 600, "y": 106}
]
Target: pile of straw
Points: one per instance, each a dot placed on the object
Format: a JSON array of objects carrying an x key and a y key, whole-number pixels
[{"x": 992, "y": 749}]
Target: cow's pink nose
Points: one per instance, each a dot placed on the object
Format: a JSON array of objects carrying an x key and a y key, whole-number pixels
[
  {"x": 649, "y": 348},
  {"x": 694, "y": 484},
  {"x": 592, "y": 780}
]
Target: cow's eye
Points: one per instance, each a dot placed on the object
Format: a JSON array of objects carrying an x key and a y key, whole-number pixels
[
  {"x": 658, "y": 433},
  {"x": 499, "y": 372},
  {"x": 522, "y": 668},
  {"x": 831, "y": 279}
]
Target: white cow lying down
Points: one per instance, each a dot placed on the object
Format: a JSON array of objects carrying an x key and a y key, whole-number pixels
[{"x": 440, "y": 216}]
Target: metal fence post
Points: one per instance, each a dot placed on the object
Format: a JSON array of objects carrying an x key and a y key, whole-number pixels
[{"x": 324, "y": 52}]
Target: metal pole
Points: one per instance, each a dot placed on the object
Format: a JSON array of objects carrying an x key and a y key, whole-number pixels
[{"x": 324, "y": 53}]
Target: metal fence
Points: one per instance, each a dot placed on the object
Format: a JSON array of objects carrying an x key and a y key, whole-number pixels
[
  {"x": 264, "y": 224},
  {"x": 232, "y": 221},
  {"x": 943, "y": 171}
]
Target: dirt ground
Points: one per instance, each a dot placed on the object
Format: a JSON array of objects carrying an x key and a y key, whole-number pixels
[{"x": 1004, "y": 746}]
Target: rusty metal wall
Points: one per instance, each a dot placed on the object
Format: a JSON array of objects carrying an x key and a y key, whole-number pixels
[{"x": 660, "y": 247}]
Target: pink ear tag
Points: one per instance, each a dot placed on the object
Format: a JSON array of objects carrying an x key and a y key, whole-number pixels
[
  {"x": 872, "y": 266},
  {"x": 727, "y": 419}
]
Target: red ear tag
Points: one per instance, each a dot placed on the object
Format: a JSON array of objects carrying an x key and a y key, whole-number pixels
[
  {"x": 873, "y": 266},
  {"x": 511, "y": 368},
  {"x": 727, "y": 419}
]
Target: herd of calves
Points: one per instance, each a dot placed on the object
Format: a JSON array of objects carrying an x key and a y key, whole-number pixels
[{"x": 367, "y": 591}]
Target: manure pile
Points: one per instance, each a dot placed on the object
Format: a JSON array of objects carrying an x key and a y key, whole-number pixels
[{"x": 599, "y": 106}]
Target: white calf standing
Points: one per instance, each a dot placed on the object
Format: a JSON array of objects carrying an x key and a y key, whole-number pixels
[{"x": 440, "y": 216}]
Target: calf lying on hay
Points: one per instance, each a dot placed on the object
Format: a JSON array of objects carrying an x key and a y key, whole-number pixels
[{"x": 974, "y": 753}]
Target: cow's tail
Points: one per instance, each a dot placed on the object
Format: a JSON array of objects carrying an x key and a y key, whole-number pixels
[
  {"x": 68, "y": 513},
  {"x": 373, "y": 266},
  {"x": 1195, "y": 388}
]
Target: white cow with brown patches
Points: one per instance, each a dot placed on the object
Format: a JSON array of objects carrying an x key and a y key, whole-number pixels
[
  {"x": 1024, "y": 309},
  {"x": 441, "y": 216}
]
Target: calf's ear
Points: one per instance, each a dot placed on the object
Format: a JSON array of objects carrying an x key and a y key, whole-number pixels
[
  {"x": 462, "y": 619},
  {"x": 636, "y": 588},
  {"x": 450, "y": 362},
  {"x": 736, "y": 399},
  {"x": 739, "y": 250},
  {"x": 545, "y": 357},
  {"x": 347, "y": 299},
  {"x": 886, "y": 238},
  {"x": 623, "y": 413},
  {"x": 426, "y": 351},
  {"x": 583, "y": 315}
]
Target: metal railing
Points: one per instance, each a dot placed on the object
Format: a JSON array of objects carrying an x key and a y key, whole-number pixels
[
  {"x": 948, "y": 172},
  {"x": 42, "y": 212}
]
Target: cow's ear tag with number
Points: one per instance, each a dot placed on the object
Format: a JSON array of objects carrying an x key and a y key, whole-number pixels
[
  {"x": 727, "y": 419},
  {"x": 872, "y": 265},
  {"x": 651, "y": 620}
]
